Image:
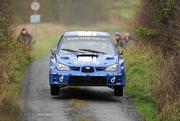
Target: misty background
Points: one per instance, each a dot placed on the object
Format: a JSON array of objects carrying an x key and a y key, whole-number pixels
[{"x": 76, "y": 12}]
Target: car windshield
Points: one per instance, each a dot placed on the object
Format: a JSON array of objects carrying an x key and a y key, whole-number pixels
[{"x": 86, "y": 45}]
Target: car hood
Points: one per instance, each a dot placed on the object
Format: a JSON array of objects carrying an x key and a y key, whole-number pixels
[{"x": 87, "y": 60}]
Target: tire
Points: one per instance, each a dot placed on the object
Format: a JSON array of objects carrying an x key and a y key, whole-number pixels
[
  {"x": 55, "y": 90},
  {"x": 118, "y": 91}
]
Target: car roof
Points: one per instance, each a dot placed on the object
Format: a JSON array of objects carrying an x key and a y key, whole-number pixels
[{"x": 86, "y": 33}]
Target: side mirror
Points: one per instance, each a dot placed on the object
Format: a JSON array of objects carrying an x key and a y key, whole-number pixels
[{"x": 53, "y": 52}]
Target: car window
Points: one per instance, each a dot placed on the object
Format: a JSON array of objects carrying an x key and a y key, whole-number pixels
[{"x": 98, "y": 45}]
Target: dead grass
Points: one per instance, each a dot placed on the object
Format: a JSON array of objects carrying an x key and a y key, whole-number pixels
[
  {"x": 158, "y": 24},
  {"x": 3, "y": 78},
  {"x": 167, "y": 91},
  {"x": 77, "y": 103},
  {"x": 82, "y": 118},
  {"x": 12, "y": 64}
]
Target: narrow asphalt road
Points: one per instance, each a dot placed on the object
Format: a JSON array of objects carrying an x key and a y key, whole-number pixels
[{"x": 74, "y": 103}]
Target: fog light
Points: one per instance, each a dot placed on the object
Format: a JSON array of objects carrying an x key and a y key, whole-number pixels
[{"x": 56, "y": 82}]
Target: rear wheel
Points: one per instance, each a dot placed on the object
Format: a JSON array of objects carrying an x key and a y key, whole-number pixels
[
  {"x": 118, "y": 91},
  {"x": 55, "y": 90}
]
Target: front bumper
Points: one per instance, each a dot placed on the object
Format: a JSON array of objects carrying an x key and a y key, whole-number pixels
[{"x": 87, "y": 79}]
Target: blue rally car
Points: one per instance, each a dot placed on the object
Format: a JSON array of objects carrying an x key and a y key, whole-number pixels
[{"x": 86, "y": 58}]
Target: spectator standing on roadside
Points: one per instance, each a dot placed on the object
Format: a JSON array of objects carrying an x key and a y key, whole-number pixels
[
  {"x": 25, "y": 37},
  {"x": 127, "y": 38},
  {"x": 119, "y": 40},
  {"x": 22, "y": 36}
]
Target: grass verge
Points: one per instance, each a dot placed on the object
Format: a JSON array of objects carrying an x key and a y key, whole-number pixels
[
  {"x": 141, "y": 65},
  {"x": 151, "y": 84},
  {"x": 14, "y": 60}
]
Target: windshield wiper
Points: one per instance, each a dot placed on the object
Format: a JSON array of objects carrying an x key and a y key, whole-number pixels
[
  {"x": 91, "y": 51},
  {"x": 72, "y": 51}
]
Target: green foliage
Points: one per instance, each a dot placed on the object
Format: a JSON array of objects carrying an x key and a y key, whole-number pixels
[
  {"x": 39, "y": 49},
  {"x": 149, "y": 84},
  {"x": 145, "y": 32},
  {"x": 178, "y": 43},
  {"x": 4, "y": 21},
  {"x": 20, "y": 56},
  {"x": 163, "y": 11},
  {"x": 126, "y": 8},
  {"x": 16, "y": 60},
  {"x": 2, "y": 36},
  {"x": 147, "y": 109},
  {"x": 13, "y": 60},
  {"x": 163, "y": 17},
  {"x": 160, "y": 24}
]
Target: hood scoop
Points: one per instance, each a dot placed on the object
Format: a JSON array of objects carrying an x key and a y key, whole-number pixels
[{"x": 87, "y": 59}]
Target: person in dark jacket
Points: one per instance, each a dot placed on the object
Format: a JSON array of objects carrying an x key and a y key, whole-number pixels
[
  {"x": 117, "y": 38},
  {"x": 24, "y": 37}
]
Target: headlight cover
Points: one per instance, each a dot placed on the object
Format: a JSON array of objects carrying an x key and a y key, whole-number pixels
[
  {"x": 62, "y": 67},
  {"x": 114, "y": 67}
]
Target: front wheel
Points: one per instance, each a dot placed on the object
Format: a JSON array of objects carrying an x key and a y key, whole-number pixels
[
  {"x": 54, "y": 90},
  {"x": 118, "y": 91}
]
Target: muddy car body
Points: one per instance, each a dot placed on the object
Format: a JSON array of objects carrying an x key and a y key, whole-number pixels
[{"x": 86, "y": 58}]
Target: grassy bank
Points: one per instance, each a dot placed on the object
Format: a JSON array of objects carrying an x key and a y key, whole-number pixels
[
  {"x": 148, "y": 75},
  {"x": 14, "y": 63},
  {"x": 13, "y": 60},
  {"x": 159, "y": 26},
  {"x": 141, "y": 65}
]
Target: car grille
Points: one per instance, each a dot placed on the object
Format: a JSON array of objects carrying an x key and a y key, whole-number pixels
[
  {"x": 75, "y": 68},
  {"x": 100, "y": 68},
  {"x": 87, "y": 81},
  {"x": 87, "y": 69}
]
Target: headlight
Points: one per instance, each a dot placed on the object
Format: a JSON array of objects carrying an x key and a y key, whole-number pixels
[
  {"x": 62, "y": 67},
  {"x": 114, "y": 67}
]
